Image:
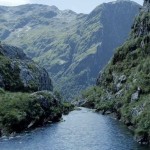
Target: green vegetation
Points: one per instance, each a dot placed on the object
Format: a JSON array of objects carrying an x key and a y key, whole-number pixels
[
  {"x": 67, "y": 107},
  {"x": 123, "y": 87},
  {"x": 72, "y": 47},
  {"x": 9, "y": 69},
  {"x": 94, "y": 100},
  {"x": 19, "y": 73},
  {"x": 20, "y": 111},
  {"x": 12, "y": 80}
]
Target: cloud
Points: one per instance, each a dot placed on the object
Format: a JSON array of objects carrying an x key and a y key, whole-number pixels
[{"x": 13, "y": 2}]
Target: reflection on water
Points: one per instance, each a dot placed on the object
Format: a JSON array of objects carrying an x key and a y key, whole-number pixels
[{"x": 80, "y": 130}]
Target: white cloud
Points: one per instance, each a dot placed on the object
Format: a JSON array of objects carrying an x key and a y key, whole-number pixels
[{"x": 13, "y": 2}]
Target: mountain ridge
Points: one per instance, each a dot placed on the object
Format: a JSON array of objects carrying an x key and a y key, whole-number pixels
[
  {"x": 73, "y": 50},
  {"x": 123, "y": 85}
]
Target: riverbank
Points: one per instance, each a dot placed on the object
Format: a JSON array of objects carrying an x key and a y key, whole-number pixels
[
  {"x": 116, "y": 110},
  {"x": 80, "y": 129},
  {"x": 24, "y": 111}
]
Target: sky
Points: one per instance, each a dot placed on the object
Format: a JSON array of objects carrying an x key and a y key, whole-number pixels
[{"x": 79, "y": 6}]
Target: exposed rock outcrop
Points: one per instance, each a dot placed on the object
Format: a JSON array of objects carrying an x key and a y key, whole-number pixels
[
  {"x": 19, "y": 108},
  {"x": 12, "y": 52},
  {"x": 25, "y": 111},
  {"x": 123, "y": 86},
  {"x": 18, "y": 72}
]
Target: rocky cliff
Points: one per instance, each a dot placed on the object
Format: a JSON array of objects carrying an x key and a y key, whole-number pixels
[
  {"x": 20, "y": 108},
  {"x": 72, "y": 47},
  {"x": 19, "y": 73},
  {"x": 123, "y": 86}
]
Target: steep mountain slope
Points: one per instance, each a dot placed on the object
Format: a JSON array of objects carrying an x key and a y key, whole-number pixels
[
  {"x": 72, "y": 47},
  {"x": 19, "y": 73},
  {"x": 20, "y": 109},
  {"x": 123, "y": 86}
]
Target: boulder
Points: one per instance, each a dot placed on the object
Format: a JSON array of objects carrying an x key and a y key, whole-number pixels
[
  {"x": 118, "y": 86},
  {"x": 135, "y": 96},
  {"x": 136, "y": 111},
  {"x": 142, "y": 139},
  {"x": 119, "y": 93},
  {"x": 50, "y": 104},
  {"x": 122, "y": 78},
  {"x": 45, "y": 98}
]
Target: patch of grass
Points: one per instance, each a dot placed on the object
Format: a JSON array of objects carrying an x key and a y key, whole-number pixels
[{"x": 18, "y": 110}]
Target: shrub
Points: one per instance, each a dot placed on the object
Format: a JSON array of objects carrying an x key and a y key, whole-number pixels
[{"x": 18, "y": 110}]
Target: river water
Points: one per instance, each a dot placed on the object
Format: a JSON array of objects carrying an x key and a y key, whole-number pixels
[{"x": 80, "y": 130}]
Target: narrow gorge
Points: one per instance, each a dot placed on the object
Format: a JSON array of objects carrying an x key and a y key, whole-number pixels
[
  {"x": 74, "y": 81},
  {"x": 123, "y": 86}
]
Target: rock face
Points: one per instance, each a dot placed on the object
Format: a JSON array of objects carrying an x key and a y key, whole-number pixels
[
  {"x": 19, "y": 73},
  {"x": 135, "y": 96},
  {"x": 19, "y": 108},
  {"x": 47, "y": 99},
  {"x": 72, "y": 47},
  {"x": 127, "y": 78},
  {"x": 13, "y": 52}
]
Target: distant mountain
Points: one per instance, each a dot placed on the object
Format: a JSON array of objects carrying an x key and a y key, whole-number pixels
[
  {"x": 72, "y": 47},
  {"x": 123, "y": 87}
]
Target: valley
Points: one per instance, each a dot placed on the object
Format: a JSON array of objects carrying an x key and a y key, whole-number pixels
[
  {"x": 72, "y": 47},
  {"x": 55, "y": 62}
]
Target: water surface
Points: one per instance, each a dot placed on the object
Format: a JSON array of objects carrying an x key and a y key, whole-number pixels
[{"x": 80, "y": 130}]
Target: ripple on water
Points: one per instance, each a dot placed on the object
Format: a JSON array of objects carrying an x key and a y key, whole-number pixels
[{"x": 80, "y": 130}]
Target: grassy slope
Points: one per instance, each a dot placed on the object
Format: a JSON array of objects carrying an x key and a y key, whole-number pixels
[
  {"x": 18, "y": 110},
  {"x": 131, "y": 60},
  {"x": 72, "y": 47},
  {"x": 23, "y": 110}
]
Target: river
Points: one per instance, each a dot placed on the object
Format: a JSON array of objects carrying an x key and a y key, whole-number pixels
[{"x": 80, "y": 130}]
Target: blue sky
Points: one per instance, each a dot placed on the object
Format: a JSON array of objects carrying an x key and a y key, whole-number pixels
[{"x": 80, "y": 6}]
